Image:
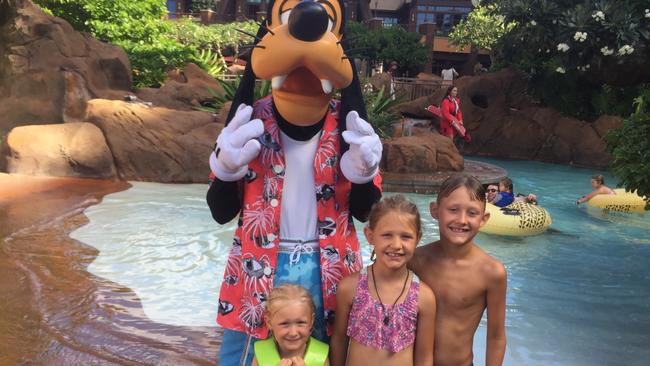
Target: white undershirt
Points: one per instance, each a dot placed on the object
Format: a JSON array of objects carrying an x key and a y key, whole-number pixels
[{"x": 298, "y": 217}]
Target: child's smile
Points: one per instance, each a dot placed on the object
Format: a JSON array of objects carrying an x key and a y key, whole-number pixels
[
  {"x": 393, "y": 239},
  {"x": 460, "y": 217}
]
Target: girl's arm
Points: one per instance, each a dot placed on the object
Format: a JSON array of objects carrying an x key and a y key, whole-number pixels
[
  {"x": 444, "y": 108},
  {"x": 425, "y": 334},
  {"x": 496, "y": 316},
  {"x": 589, "y": 196},
  {"x": 339, "y": 342},
  {"x": 254, "y": 363}
]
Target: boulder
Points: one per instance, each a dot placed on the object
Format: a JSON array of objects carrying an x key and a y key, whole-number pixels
[
  {"x": 76, "y": 149},
  {"x": 155, "y": 143},
  {"x": 184, "y": 90},
  {"x": 505, "y": 122},
  {"x": 605, "y": 123},
  {"x": 48, "y": 71},
  {"x": 421, "y": 154}
]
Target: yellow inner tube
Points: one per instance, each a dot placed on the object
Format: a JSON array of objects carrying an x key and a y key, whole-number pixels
[
  {"x": 530, "y": 220},
  {"x": 621, "y": 201}
]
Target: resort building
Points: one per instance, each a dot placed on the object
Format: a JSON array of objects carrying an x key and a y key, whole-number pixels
[{"x": 433, "y": 18}]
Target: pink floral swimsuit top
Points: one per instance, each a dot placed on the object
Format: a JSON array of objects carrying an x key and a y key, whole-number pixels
[{"x": 365, "y": 322}]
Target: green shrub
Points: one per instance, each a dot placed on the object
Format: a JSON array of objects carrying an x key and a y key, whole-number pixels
[
  {"x": 214, "y": 37},
  {"x": 585, "y": 58},
  {"x": 630, "y": 148},
  {"x": 149, "y": 61},
  {"x": 379, "y": 106},
  {"x": 387, "y": 45},
  {"x": 262, "y": 89}
]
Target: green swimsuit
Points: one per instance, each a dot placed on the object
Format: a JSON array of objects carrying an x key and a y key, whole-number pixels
[{"x": 266, "y": 353}]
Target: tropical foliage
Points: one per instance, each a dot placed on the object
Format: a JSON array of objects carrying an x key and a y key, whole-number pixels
[
  {"x": 386, "y": 45},
  {"x": 262, "y": 89},
  {"x": 152, "y": 44},
  {"x": 483, "y": 28},
  {"x": 630, "y": 148},
  {"x": 379, "y": 106},
  {"x": 584, "y": 57}
]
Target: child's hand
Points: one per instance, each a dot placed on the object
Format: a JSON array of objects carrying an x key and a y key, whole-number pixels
[
  {"x": 293, "y": 361},
  {"x": 297, "y": 361},
  {"x": 286, "y": 362}
]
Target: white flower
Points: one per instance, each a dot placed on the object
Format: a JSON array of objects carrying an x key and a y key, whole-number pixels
[
  {"x": 560, "y": 70},
  {"x": 562, "y": 47},
  {"x": 584, "y": 67},
  {"x": 606, "y": 51},
  {"x": 533, "y": 23},
  {"x": 647, "y": 13},
  {"x": 599, "y": 16},
  {"x": 625, "y": 50},
  {"x": 580, "y": 36}
]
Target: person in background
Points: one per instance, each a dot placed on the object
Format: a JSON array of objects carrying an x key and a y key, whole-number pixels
[
  {"x": 451, "y": 121},
  {"x": 505, "y": 196},
  {"x": 448, "y": 75},
  {"x": 479, "y": 69},
  {"x": 598, "y": 184},
  {"x": 491, "y": 192}
]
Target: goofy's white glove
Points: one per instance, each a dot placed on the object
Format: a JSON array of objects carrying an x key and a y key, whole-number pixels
[
  {"x": 236, "y": 146},
  {"x": 360, "y": 163}
]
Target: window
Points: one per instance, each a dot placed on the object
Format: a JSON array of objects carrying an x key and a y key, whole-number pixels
[{"x": 388, "y": 22}]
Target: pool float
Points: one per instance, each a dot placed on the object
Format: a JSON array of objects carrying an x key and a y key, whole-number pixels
[
  {"x": 621, "y": 201},
  {"x": 516, "y": 219}
]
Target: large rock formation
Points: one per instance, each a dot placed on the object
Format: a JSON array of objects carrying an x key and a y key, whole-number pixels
[
  {"x": 48, "y": 70},
  {"x": 505, "y": 122},
  {"x": 154, "y": 143},
  {"x": 61, "y": 150},
  {"x": 184, "y": 90},
  {"x": 421, "y": 154}
]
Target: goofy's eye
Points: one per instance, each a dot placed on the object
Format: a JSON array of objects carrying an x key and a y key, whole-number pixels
[
  {"x": 284, "y": 16},
  {"x": 330, "y": 25}
]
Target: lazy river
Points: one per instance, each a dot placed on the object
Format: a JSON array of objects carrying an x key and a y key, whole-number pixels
[{"x": 577, "y": 295}]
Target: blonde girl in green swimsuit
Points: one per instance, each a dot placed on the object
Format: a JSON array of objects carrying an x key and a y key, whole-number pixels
[{"x": 290, "y": 317}]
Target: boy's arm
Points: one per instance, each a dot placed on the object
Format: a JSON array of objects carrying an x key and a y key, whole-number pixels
[
  {"x": 496, "y": 316},
  {"x": 254, "y": 363},
  {"x": 425, "y": 335},
  {"x": 339, "y": 342}
]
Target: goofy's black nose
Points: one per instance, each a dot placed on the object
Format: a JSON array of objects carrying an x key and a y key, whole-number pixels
[{"x": 308, "y": 21}]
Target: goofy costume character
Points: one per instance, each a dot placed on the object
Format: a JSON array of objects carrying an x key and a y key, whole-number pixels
[{"x": 295, "y": 166}]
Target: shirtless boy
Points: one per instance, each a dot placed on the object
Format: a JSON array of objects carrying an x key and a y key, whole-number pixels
[{"x": 465, "y": 279}]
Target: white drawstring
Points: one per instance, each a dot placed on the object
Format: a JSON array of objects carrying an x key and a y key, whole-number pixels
[{"x": 297, "y": 247}]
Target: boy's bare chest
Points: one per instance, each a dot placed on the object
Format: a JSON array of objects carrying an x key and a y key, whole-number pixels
[{"x": 457, "y": 289}]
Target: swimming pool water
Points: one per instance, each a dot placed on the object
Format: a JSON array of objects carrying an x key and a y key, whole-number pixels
[{"x": 577, "y": 295}]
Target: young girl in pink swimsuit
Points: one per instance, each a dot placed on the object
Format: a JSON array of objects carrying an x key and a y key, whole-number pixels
[{"x": 384, "y": 315}]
